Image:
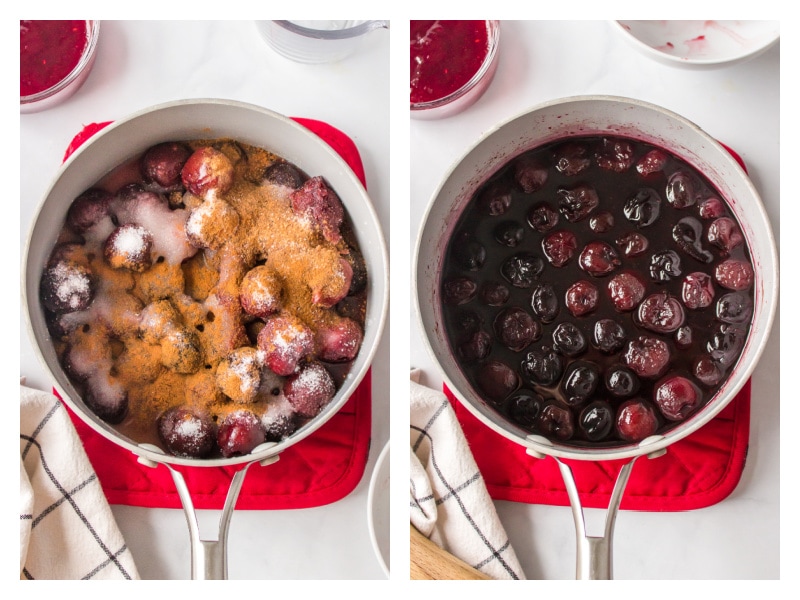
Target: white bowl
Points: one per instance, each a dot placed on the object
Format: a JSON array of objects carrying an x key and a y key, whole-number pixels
[
  {"x": 378, "y": 512},
  {"x": 700, "y": 44}
]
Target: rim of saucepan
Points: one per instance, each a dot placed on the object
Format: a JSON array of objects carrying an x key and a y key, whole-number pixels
[
  {"x": 493, "y": 28},
  {"x": 483, "y": 158},
  {"x": 332, "y": 34},
  {"x": 199, "y": 119}
]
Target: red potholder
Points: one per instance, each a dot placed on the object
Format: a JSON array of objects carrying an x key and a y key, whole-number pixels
[
  {"x": 318, "y": 470},
  {"x": 700, "y": 470}
]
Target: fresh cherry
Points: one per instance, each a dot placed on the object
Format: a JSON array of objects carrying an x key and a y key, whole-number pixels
[
  {"x": 677, "y": 397},
  {"x": 542, "y": 367},
  {"x": 516, "y": 329},
  {"x": 497, "y": 380},
  {"x": 187, "y": 432},
  {"x": 559, "y": 247},
  {"x": 635, "y": 421},
  {"x": 240, "y": 432},
  {"x": 581, "y": 298},
  {"x": 647, "y": 356},
  {"x": 626, "y": 290}
]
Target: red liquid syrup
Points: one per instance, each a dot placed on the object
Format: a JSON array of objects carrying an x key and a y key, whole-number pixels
[
  {"x": 444, "y": 56},
  {"x": 48, "y": 52}
]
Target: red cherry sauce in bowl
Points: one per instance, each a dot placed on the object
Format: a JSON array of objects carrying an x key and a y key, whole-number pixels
[
  {"x": 452, "y": 63},
  {"x": 55, "y": 59}
]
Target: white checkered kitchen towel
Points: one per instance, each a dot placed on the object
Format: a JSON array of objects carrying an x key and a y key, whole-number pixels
[
  {"x": 67, "y": 529},
  {"x": 449, "y": 501}
]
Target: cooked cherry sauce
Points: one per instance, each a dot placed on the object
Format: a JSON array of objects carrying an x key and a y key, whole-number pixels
[{"x": 597, "y": 291}]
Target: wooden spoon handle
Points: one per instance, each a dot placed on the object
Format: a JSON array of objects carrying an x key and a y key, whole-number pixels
[{"x": 429, "y": 561}]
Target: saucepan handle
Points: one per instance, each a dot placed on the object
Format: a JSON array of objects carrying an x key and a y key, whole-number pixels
[
  {"x": 210, "y": 557},
  {"x": 594, "y": 553}
]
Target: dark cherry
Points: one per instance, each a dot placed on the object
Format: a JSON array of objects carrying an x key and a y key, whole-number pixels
[
  {"x": 459, "y": 290},
  {"x": 468, "y": 321},
  {"x": 358, "y": 282},
  {"x": 559, "y": 247},
  {"x": 621, "y": 382},
  {"x": 736, "y": 275},
  {"x": 239, "y": 433},
  {"x": 495, "y": 199},
  {"x": 647, "y": 356},
  {"x": 697, "y": 291},
  {"x": 529, "y": 173},
  {"x": 601, "y": 222},
  {"x": 661, "y": 312},
  {"x": 545, "y": 302},
  {"x": 162, "y": 164},
  {"x": 580, "y": 381},
  {"x": 724, "y": 233},
  {"x": 688, "y": 234},
  {"x": 596, "y": 420},
  {"x": 707, "y": 371},
  {"x": 598, "y": 259},
  {"x": 626, "y": 290},
  {"x": 470, "y": 253},
  {"x": 556, "y": 421},
  {"x": 285, "y": 174},
  {"x": 524, "y": 408},
  {"x": 568, "y": 339},
  {"x": 522, "y": 270},
  {"x": 109, "y": 402},
  {"x": 321, "y": 206},
  {"x": 665, "y": 265},
  {"x": 516, "y": 329},
  {"x": 726, "y": 343},
  {"x": 608, "y": 336},
  {"x": 635, "y": 421},
  {"x": 476, "y": 347},
  {"x": 681, "y": 190},
  {"x": 614, "y": 155},
  {"x": 88, "y": 209},
  {"x": 207, "y": 169},
  {"x": 542, "y": 367},
  {"x": 643, "y": 207},
  {"x": 581, "y": 298},
  {"x": 310, "y": 389},
  {"x": 187, "y": 432},
  {"x": 735, "y": 307},
  {"x": 497, "y": 380},
  {"x": 67, "y": 287},
  {"x": 677, "y": 397},
  {"x": 632, "y": 244},
  {"x": 652, "y": 162},
  {"x": 576, "y": 203},
  {"x": 493, "y": 293},
  {"x": 339, "y": 341},
  {"x": 542, "y": 217},
  {"x": 281, "y": 427},
  {"x": 711, "y": 208},
  {"x": 509, "y": 233},
  {"x": 572, "y": 158}
]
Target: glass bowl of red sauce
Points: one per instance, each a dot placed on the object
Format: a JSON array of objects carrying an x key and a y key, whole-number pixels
[
  {"x": 55, "y": 59},
  {"x": 452, "y": 64}
]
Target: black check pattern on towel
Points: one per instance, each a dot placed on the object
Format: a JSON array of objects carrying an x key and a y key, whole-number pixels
[
  {"x": 65, "y": 496},
  {"x": 453, "y": 496}
]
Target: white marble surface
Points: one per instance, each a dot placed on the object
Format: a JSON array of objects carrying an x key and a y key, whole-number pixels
[
  {"x": 145, "y": 63},
  {"x": 539, "y": 61}
]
